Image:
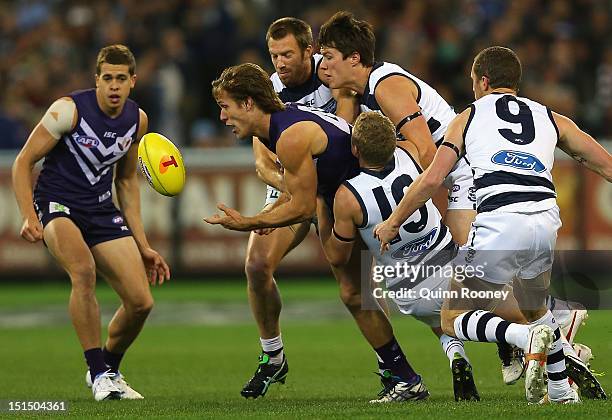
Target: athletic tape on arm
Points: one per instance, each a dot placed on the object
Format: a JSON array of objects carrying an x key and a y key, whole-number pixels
[{"x": 58, "y": 118}]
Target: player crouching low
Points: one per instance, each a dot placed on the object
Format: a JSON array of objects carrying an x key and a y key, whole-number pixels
[{"x": 364, "y": 201}]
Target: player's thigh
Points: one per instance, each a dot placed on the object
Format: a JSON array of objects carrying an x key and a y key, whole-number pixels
[
  {"x": 269, "y": 250},
  {"x": 121, "y": 264},
  {"x": 459, "y": 222},
  {"x": 65, "y": 242}
]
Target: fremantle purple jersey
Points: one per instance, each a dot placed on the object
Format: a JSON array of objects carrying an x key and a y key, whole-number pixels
[
  {"x": 337, "y": 163},
  {"x": 78, "y": 171}
]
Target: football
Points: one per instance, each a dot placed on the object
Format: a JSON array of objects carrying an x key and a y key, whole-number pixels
[{"x": 161, "y": 164}]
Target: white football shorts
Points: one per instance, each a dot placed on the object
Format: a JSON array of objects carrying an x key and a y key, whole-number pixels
[{"x": 503, "y": 245}]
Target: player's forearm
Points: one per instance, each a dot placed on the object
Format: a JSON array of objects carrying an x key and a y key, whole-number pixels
[
  {"x": 285, "y": 214},
  {"x": 421, "y": 190},
  {"x": 267, "y": 169},
  {"x": 283, "y": 198},
  {"x": 128, "y": 195},
  {"x": 22, "y": 185},
  {"x": 271, "y": 176},
  {"x": 347, "y": 106}
]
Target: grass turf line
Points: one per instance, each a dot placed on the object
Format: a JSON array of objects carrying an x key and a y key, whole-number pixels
[{"x": 191, "y": 371}]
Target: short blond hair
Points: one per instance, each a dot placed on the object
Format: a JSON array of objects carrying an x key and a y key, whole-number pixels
[{"x": 374, "y": 137}]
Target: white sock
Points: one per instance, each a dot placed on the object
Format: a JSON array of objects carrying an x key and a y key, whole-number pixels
[
  {"x": 272, "y": 345},
  {"x": 487, "y": 327},
  {"x": 558, "y": 386},
  {"x": 452, "y": 345},
  {"x": 560, "y": 309}
]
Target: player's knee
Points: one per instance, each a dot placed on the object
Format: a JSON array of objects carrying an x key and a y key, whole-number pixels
[
  {"x": 83, "y": 277},
  {"x": 141, "y": 307},
  {"x": 258, "y": 267},
  {"x": 447, "y": 321},
  {"x": 350, "y": 297}
]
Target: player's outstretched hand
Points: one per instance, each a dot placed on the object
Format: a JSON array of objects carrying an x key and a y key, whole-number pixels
[
  {"x": 32, "y": 230},
  {"x": 157, "y": 268},
  {"x": 385, "y": 233},
  {"x": 232, "y": 219}
]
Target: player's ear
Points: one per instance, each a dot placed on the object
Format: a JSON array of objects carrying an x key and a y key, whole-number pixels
[
  {"x": 354, "y": 58},
  {"x": 132, "y": 81},
  {"x": 484, "y": 82},
  {"x": 248, "y": 104},
  {"x": 308, "y": 51},
  {"x": 97, "y": 78},
  {"x": 354, "y": 150}
]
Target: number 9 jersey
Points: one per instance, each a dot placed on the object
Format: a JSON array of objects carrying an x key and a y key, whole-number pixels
[{"x": 511, "y": 155}]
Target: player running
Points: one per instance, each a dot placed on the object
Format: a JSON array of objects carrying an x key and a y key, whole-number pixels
[
  {"x": 509, "y": 142},
  {"x": 84, "y": 138},
  {"x": 299, "y": 135},
  {"x": 297, "y": 80}
]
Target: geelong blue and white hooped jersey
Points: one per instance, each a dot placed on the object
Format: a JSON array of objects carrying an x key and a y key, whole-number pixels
[
  {"x": 436, "y": 111},
  {"x": 78, "y": 171},
  {"x": 313, "y": 92},
  {"x": 336, "y": 163},
  {"x": 421, "y": 237},
  {"x": 510, "y": 143}
]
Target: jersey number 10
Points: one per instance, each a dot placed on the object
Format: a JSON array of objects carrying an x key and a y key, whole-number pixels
[{"x": 397, "y": 189}]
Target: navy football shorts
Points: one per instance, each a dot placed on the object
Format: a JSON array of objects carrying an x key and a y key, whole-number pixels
[{"x": 100, "y": 224}]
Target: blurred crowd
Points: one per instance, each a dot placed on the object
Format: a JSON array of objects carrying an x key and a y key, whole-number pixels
[{"x": 48, "y": 49}]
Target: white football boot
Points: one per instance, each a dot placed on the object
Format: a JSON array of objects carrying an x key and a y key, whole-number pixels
[
  {"x": 103, "y": 387},
  {"x": 513, "y": 369},
  {"x": 571, "y": 319},
  {"x": 584, "y": 353},
  {"x": 540, "y": 340},
  {"x": 396, "y": 390},
  {"x": 127, "y": 392}
]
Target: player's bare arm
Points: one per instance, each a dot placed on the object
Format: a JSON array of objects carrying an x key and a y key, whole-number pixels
[
  {"x": 347, "y": 105},
  {"x": 397, "y": 96},
  {"x": 128, "y": 195},
  {"x": 266, "y": 166},
  {"x": 59, "y": 119},
  {"x": 295, "y": 149},
  {"x": 347, "y": 216},
  {"x": 582, "y": 147},
  {"x": 426, "y": 184}
]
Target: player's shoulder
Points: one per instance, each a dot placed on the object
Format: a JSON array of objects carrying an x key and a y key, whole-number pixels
[{"x": 347, "y": 195}]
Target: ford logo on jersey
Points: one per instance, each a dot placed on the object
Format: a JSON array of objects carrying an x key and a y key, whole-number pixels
[
  {"x": 88, "y": 142},
  {"x": 416, "y": 247},
  {"x": 518, "y": 160}
]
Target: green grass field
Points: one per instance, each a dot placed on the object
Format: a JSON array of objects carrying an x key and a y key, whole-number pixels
[{"x": 200, "y": 346}]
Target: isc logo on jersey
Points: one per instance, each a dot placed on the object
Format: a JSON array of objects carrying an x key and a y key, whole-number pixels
[{"x": 161, "y": 164}]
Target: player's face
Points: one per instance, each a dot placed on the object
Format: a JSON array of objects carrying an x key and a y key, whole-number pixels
[
  {"x": 234, "y": 114},
  {"x": 114, "y": 84},
  {"x": 336, "y": 70},
  {"x": 291, "y": 64}
]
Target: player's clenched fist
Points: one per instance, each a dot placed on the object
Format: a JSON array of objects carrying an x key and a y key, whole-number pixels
[{"x": 32, "y": 230}]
